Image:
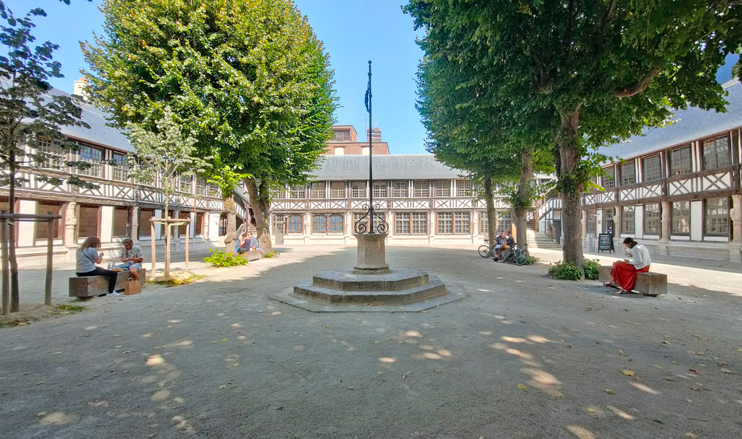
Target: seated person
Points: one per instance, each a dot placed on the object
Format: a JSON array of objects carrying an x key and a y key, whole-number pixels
[
  {"x": 253, "y": 242},
  {"x": 242, "y": 245},
  {"x": 507, "y": 245},
  {"x": 87, "y": 257},
  {"x": 624, "y": 273},
  {"x": 132, "y": 258},
  {"x": 499, "y": 241}
]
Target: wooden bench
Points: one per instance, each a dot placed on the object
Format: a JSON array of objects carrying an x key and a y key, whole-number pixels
[
  {"x": 648, "y": 284},
  {"x": 91, "y": 286},
  {"x": 252, "y": 255}
]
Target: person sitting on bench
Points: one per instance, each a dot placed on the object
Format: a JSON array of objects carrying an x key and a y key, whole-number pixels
[
  {"x": 499, "y": 241},
  {"x": 507, "y": 245},
  {"x": 131, "y": 257},
  {"x": 242, "y": 245},
  {"x": 624, "y": 272},
  {"x": 252, "y": 242},
  {"x": 87, "y": 257}
]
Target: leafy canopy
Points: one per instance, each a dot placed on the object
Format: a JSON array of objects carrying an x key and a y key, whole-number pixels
[{"x": 247, "y": 79}]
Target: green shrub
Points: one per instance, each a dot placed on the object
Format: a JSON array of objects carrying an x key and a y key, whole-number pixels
[
  {"x": 220, "y": 258},
  {"x": 271, "y": 254},
  {"x": 531, "y": 260},
  {"x": 566, "y": 270},
  {"x": 592, "y": 269}
]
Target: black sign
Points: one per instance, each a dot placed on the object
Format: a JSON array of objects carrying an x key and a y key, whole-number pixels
[{"x": 605, "y": 242}]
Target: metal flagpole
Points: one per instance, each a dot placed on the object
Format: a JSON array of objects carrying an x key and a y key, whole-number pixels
[{"x": 370, "y": 155}]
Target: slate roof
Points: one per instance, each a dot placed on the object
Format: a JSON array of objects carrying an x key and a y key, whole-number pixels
[
  {"x": 691, "y": 124},
  {"x": 99, "y": 132},
  {"x": 386, "y": 167}
]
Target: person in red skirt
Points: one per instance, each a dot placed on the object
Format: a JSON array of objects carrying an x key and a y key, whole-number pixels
[{"x": 624, "y": 272}]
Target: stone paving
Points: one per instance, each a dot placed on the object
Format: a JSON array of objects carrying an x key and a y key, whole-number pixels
[{"x": 523, "y": 356}]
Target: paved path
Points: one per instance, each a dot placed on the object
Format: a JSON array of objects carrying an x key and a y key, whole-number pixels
[{"x": 524, "y": 356}]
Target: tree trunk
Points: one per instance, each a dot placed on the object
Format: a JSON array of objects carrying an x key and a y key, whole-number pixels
[
  {"x": 570, "y": 185},
  {"x": 491, "y": 212},
  {"x": 12, "y": 259},
  {"x": 231, "y": 235},
  {"x": 524, "y": 197},
  {"x": 261, "y": 208},
  {"x": 167, "y": 231}
]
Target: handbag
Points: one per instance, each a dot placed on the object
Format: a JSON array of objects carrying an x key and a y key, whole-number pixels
[{"x": 132, "y": 287}]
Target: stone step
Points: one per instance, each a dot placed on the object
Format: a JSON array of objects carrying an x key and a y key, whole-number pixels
[
  {"x": 395, "y": 279},
  {"x": 434, "y": 288}
]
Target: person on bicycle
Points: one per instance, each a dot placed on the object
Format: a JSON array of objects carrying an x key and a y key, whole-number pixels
[{"x": 506, "y": 245}]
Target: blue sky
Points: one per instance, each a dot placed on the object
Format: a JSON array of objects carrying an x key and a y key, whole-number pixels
[{"x": 353, "y": 31}]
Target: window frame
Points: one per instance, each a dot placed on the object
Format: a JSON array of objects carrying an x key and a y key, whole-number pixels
[
  {"x": 291, "y": 224},
  {"x": 723, "y": 218},
  {"x": 674, "y": 217},
  {"x": 624, "y": 173},
  {"x": 624, "y": 218},
  {"x": 381, "y": 189},
  {"x": 463, "y": 188},
  {"x": 403, "y": 191},
  {"x": 358, "y": 189},
  {"x": 421, "y": 192},
  {"x": 652, "y": 223},
  {"x": 504, "y": 222},
  {"x": 336, "y": 189},
  {"x": 315, "y": 193},
  {"x": 606, "y": 179},
  {"x": 51, "y": 155},
  {"x": 321, "y": 225},
  {"x": 298, "y": 192},
  {"x": 94, "y": 165},
  {"x": 442, "y": 189},
  {"x": 727, "y": 155},
  {"x": 656, "y": 173},
  {"x": 458, "y": 222},
  {"x": 680, "y": 166},
  {"x": 120, "y": 167}
]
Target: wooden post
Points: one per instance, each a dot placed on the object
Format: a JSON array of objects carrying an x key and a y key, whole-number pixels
[
  {"x": 152, "y": 240},
  {"x": 188, "y": 233},
  {"x": 49, "y": 261},
  {"x": 167, "y": 250},
  {"x": 6, "y": 267}
]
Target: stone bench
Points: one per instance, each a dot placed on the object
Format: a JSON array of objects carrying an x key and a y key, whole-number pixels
[
  {"x": 90, "y": 286},
  {"x": 648, "y": 284},
  {"x": 252, "y": 255}
]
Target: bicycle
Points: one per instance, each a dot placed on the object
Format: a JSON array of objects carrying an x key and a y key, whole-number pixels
[
  {"x": 517, "y": 255},
  {"x": 486, "y": 250}
]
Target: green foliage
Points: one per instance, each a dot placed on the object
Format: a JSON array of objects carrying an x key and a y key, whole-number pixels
[
  {"x": 531, "y": 260},
  {"x": 566, "y": 270},
  {"x": 25, "y": 70},
  {"x": 164, "y": 155},
  {"x": 271, "y": 254},
  {"x": 73, "y": 308},
  {"x": 592, "y": 269},
  {"x": 220, "y": 258},
  {"x": 248, "y": 79}
]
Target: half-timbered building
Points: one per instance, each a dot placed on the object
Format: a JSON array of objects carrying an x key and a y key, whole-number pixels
[
  {"x": 676, "y": 189},
  {"x": 117, "y": 208}
]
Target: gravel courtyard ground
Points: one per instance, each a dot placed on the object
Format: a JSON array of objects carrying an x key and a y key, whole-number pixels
[{"x": 524, "y": 356}]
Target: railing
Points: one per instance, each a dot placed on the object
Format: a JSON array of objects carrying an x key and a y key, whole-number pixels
[{"x": 549, "y": 205}]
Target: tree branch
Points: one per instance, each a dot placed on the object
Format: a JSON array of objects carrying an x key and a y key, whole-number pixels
[{"x": 639, "y": 86}]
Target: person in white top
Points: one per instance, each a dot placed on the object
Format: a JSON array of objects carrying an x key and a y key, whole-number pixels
[{"x": 624, "y": 272}]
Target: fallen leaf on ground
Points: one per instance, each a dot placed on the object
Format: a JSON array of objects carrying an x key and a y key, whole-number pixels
[
  {"x": 522, "y": 386},
  {"x": 351, "y": 388},
  {"x": 608, "y": 391},
  {"x": 628, "y": 373},
  {"x": 591, "y": 410},
  {"x": 723, "y": 370},
  {"x": 691, "y": 436},
  {"x": 695, "y": 371},
  {"x": 659, "y": 421},
  {"x": 223, "y": 386},
  {"x": 558, "y": 395},
  {"x": 621, "y": 353}
]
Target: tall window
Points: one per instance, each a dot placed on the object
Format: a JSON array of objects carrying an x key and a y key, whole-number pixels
[
  {"x": 681, "y": 218},
  {"x": 213, "y": 190},
  {"x": 120, "y": 222},
  {"x": 421, "y": 189},
  {"x": 319, "y": 223},
  {"x": 717, "y": 216},
  {"x": 296, "y": 224},
  {"x": 92, "y": 156},
  {"x": 298, "y": 192},
  {"x": 279, "y": 223},
  {"x": 184, "y": 184},
  {"x": 380, "y": 189},
  {"x": 627, "y": 220},
  {"x": 278, "y": 193},
  {"x": 402, "y": 223},
  {"x": 608, "y": 225},
  {"x": 652, "y": 219},
  {"x": 318, "y": 189},
  {"x": 590, "y": 221},
  {"x": 358, "y": 189},
  {"x": 483, "y": 223},
  {"x": 419, "y": 223},
  {"x": 463, "y": 188},
  {"x": 680, "y": 161},
  {"x": 716, "y": 153},
  {"x": 445, "y": 223},
  {"x": 200, "y": 187},
  {"x": 505, "y": 222},
  {"x": 400, "y": 189},
  {"x": 628, "y": 173},
  {"x": 51, "y": 155},
  {"x": 651, "y": 168},
  {"x": 120, "y": 167},
  {"x": 461, "y": 223},
  {"x": 335, "y": 223},
  {"x": 442, "y": 188},
  {"x": 337, "y": 189},
  {"x": 609, "y": 179}
]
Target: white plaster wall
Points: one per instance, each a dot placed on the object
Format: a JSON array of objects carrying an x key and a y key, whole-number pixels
[
  {"x": 26, "y": 229},
  {"x": 106, "y": 224},
  {"x": 639, "y": 221},
  {"x": 599, "y": 222},
  {"x": 696, "y": 220}
]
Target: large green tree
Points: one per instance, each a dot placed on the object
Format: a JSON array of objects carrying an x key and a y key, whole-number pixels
[
  {"x": 30, "y": 115},
  {"x": 604, "y": 68},
  {"x": 248, "y": 79},
  {"x": 466, "y": 130}
]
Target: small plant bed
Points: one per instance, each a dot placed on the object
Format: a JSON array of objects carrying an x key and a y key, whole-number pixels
[
  {"x": 271, "y": 254},
  {"x": 220, "y": 258},
  {"x": 32, "y": 313},
  {"x": 177, "y": 278},
  {"x": 570, "y": 271}
]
